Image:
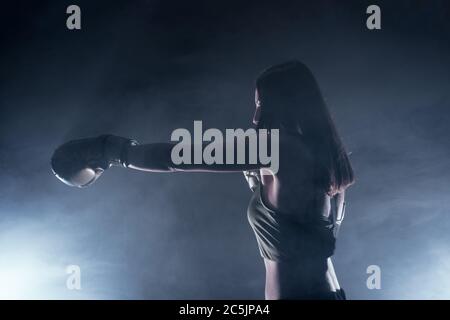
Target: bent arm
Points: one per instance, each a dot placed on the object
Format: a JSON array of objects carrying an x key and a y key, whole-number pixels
[{"x": 253, "y": 178}]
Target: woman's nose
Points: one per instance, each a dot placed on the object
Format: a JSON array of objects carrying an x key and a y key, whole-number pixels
[{"x": 257, "y": 115}]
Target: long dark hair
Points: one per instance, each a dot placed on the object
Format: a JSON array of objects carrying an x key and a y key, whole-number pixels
[{"x": 291, "y": 100}]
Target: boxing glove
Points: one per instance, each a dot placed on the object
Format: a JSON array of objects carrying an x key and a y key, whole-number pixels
[{"x": 79, "y": 163}]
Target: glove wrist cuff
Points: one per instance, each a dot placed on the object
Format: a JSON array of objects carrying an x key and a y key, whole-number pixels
[{"x": 115, "y": 150}]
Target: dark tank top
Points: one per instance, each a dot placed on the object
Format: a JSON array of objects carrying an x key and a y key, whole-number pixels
[{"x": 287, "y": 236}]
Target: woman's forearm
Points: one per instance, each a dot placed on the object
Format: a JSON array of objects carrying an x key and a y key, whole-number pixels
[
  {"x": 157, "y": 157},
  {"x": 152, "y": 157}
]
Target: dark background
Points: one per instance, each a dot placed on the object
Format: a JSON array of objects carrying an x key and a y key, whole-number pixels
[{"x": 144, "y": 68}]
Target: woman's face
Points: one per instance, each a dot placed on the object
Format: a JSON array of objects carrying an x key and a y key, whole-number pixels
[{"x": 257, "y": 114}]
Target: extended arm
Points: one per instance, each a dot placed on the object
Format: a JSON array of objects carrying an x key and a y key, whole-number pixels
[
  {"x": 157, "y": 157},
  {"x": 80, "y": 162}
]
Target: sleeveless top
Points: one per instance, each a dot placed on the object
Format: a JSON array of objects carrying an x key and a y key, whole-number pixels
[{"x": 287, "y": 236}]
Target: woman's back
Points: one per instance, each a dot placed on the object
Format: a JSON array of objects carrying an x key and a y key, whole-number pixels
[
  {"x": 291, "y": 215},
  {"x": 295, "y": 186}
]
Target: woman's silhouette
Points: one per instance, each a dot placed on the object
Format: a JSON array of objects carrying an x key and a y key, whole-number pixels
[{"x": 295, "y": 212}]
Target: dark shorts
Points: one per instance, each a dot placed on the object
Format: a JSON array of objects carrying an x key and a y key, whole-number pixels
[
  {"x": 337, "y": 295},
  {"x": 332, "y": 295}
]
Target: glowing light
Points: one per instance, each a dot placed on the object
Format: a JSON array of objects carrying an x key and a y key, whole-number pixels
[
  {"x": 26, "y": 278},
  {"x": 15, "y": 282}
]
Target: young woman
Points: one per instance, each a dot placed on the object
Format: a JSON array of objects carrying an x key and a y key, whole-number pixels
[{"x": 295, "y": 212}]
